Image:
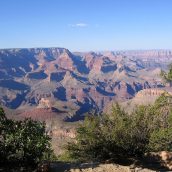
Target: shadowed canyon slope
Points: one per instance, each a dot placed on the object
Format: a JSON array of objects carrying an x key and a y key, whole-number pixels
[{"x": 75, "y": 83}]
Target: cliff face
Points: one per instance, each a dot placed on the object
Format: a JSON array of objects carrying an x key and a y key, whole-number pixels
[
  {"x": 148, "y": 96},
  {"x": 75, "y": 82},
  {"x": 151, "y": 93},
  {"x": 144, "y": 97}
]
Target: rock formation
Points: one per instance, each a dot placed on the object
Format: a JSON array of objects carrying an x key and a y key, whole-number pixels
[{"x": 76, "y": 83}]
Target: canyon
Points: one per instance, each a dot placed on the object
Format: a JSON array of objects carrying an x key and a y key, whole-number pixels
[{"x": 38, "y": 81}]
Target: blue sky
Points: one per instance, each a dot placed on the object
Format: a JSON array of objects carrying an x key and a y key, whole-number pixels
[{"x": 85, "y": 25}]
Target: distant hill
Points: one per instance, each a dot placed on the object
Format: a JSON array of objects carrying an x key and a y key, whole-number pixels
[{"x": 75, "y": 83}]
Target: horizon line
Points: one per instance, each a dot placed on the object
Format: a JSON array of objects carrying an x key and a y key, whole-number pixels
[{"x": 115, "y": 50}]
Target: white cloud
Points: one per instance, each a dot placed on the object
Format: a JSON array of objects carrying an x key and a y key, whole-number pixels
[{"x": 79, "y": 25}]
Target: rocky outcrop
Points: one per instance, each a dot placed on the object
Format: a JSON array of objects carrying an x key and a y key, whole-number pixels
[
  {"x": 153, "y": 92},
  {"x": 163, "y": 158},
  {"x": 143, "y": 97},
  {"x": 97, "y": 167},
  {"x": 44, "y": 103}
]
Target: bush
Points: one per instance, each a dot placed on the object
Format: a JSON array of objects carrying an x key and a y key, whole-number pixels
[
  {"x": 122, "y": 135},
  {"x": 108, "y": 137},
  {"x": 167, "y": 76},
  {"x": 161, "y": 137},
  {"x": 161, "y": 140},
  {"x": 23, "y": 142}
]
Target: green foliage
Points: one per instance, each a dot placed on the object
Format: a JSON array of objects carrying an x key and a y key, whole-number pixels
[
  {"x": 23, "y": 142},
  {"x": 161, "y": 140},
  {"x": 161, "y": 136},
  {"x": 167, "y": 76},
  {"x": 66, "y": 157},
  {"x": 163, "y": 74},
  {"x": 2, "y": 114},
  {"x": 109, "y": 137},
  {"x": 122, "y": 135},
  {"x": 88, "y": 140}
]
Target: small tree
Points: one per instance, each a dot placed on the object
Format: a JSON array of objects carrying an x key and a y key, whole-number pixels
[
  {"x": 161, "y": 136},
  {"x": 114, "y": 136},
  {"x": 88, "y": 140},
  {"x": 23, "y": 142},
  {"x": 167, "y": 76}
]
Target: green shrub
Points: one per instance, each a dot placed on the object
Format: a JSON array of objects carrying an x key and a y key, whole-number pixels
[
  {"x": 161, "y": 140},
  {"x": 122, "y": 135},
  {"x": 23, "y": 142},
  {"x": 109, "y": 137},
  {"x": 167, "y": 76}
]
